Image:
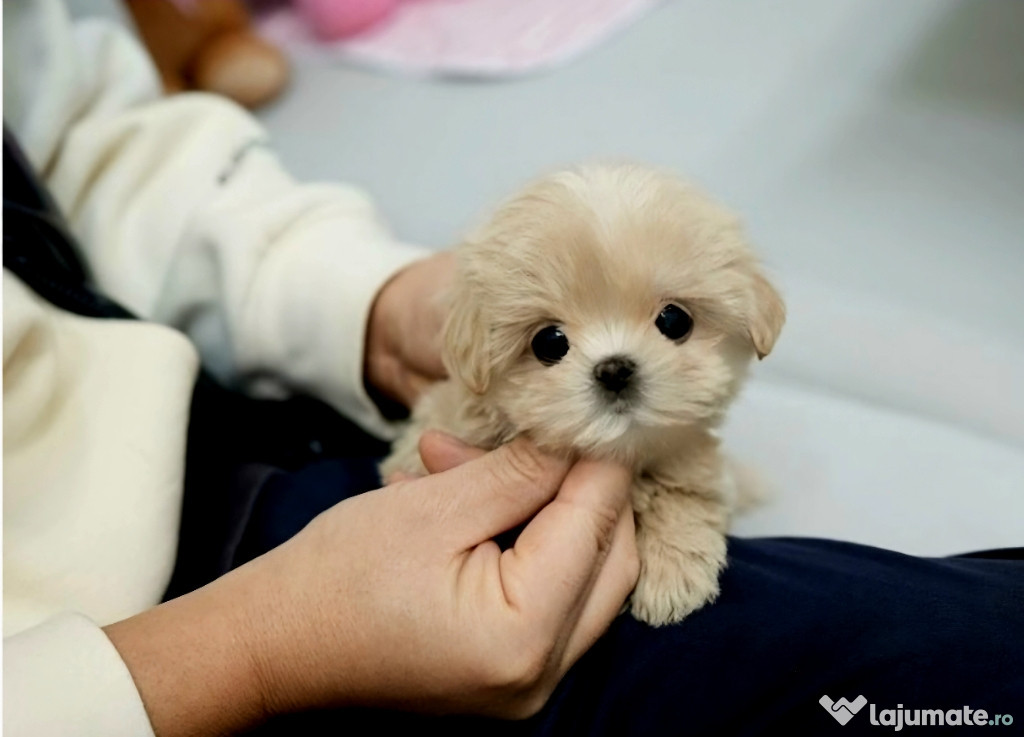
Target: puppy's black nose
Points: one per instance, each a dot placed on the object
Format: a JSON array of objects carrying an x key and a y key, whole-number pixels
[{"x": 615, "y": 373}]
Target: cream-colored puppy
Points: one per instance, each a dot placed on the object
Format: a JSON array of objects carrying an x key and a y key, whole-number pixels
[{"x": 611, "y": 311}]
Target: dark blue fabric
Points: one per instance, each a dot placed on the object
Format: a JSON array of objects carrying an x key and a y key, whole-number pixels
[
  {"x": 287, "y": 502},
  {"x": 797, "y": 619}
]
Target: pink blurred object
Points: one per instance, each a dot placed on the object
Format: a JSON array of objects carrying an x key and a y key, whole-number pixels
[
  {"x": 464, "y": 38},
  {"x": 331, "y": 20}
]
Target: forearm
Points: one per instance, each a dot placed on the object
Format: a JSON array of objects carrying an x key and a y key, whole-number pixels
[
  {"x": 184, "y": 215},
  {"x": 192, "y": 661}
]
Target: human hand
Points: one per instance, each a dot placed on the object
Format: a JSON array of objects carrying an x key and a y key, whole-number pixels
[
  {"x": 403, "y": 338},
  {"x": 400, "y": 598}
]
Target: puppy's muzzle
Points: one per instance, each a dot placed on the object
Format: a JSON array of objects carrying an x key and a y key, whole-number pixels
[{"x": 615, "y": 373}]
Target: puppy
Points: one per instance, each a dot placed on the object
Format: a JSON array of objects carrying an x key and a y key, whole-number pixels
[{"x": 611, "y": 311}]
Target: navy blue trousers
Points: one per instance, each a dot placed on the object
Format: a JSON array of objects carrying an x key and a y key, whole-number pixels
[{"x": 797, "y": 619}]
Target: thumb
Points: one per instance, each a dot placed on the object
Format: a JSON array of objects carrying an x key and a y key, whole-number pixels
[
  {"x": 488, "y": 495},
  {"x": 440, "y": 451}
]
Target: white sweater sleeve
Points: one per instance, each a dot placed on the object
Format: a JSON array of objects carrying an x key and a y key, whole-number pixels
[
  {"x": 63, "y": 678},
  {"x": 187, "y": 217}
]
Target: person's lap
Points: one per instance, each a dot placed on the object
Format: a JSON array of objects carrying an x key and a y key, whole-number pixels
[{"x": 797, "y": 619}]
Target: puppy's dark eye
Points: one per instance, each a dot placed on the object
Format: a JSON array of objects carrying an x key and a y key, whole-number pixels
[
  {"x": 674, "y": 323},
  {"x": 550, "y": 345}
]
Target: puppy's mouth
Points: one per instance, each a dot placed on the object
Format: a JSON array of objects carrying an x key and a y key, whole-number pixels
[{"x": 620, "y": 403}]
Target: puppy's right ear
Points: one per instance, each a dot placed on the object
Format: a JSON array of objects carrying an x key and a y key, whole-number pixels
[{"x": 466, "y": 346}]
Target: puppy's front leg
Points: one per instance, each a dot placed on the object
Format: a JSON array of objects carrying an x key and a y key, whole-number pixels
[
  {"x": 680, "y": 538},
  {"x": 448, "y": 407},
  {"x": 405, "y": 454},
  {"x": 405, "y": 451}
]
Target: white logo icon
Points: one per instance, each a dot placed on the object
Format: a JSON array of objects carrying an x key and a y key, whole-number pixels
[{"x": 842, "y": 710}]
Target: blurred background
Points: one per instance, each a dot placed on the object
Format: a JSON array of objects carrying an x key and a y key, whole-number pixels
[{"x": 876, "y": 152}]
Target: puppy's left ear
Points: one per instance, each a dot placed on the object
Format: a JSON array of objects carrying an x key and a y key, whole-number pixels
[
  {"x": 466, "y": 340},
  {"x": 766, "y": 314}
]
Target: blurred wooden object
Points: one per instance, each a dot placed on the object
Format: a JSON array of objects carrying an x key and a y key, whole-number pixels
[{"x": 209, "y": 45}]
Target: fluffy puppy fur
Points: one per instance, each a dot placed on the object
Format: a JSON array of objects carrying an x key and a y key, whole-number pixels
[{"x": 595, "y": 256}]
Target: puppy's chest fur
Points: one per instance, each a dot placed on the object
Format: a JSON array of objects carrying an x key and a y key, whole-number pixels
[{"x": 682, "y": 498}]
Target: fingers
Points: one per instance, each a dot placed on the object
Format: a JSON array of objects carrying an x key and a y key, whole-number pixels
[
  {"x": 442, "y": 452},
  {"x": 614, "y": 582},
  {"x": 439, "y": 452},
  {"x": 433, "y": 277},
  {"x": 558, "y": 556},
  {"x": 491, "y": 493},
  {"x": 412, "y": 386},
  {"x": 437, "y": 313}
]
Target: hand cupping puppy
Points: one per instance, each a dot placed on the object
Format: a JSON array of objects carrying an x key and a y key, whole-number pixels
[
  {"x": 403, "y": 340},
  {"x": 400, "y": 598}
]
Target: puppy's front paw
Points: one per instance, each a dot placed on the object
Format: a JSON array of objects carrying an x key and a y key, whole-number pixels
[{"x": 675, "y": 580}]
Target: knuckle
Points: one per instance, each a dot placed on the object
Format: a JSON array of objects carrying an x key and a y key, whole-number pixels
[
  {"x": 529, "y": 705},
  {"x": 629, "y": 574},
  {"x": 521, "y": 671},
  {"x": 525, "y": 464},
  {"x": 532, "y": 670},
  {"x": 631, "y": 569},
  {"x": 604, "y": 521}
]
